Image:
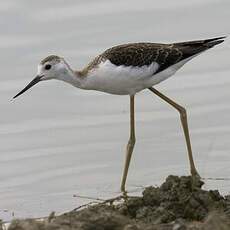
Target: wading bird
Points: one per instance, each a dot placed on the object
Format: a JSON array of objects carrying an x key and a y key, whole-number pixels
[{"x": 126, "y": 70}]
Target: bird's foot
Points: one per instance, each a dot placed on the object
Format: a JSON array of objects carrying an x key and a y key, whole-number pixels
[{"x": 196, "y": 180}]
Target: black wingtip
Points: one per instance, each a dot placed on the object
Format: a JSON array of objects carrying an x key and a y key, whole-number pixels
[
  {"x": 216, "y": 38},
  {"x": 214, "y": 41}
]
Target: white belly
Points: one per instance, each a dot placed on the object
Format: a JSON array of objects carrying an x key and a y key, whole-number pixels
[{"x": 126, "y": 80}]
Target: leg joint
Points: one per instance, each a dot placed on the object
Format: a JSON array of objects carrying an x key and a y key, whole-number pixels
[
  {"x": 183, "y": 112},
  {"x": 132, "y": 141}
]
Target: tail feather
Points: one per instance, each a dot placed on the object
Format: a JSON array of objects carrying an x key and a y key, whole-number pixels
[
  {"x": 191, "y": 48},
  {"x": 206, "y": 43},
  {"x": 214, "y": 41}
]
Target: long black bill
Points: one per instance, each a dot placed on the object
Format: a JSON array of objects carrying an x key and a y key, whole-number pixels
[{"x": 33, "y": 82}]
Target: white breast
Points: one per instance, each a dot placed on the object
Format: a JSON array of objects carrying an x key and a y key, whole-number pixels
[
  {"x": 127, "y": 80},
  {"x": 121, "y": 80}
]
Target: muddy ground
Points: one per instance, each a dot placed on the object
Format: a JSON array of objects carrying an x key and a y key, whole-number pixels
[{"x": 178, "y": 204}]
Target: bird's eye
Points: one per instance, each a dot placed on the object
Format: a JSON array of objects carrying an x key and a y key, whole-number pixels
[{"x": 48, "y": 66}]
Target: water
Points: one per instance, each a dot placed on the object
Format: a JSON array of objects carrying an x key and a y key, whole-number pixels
[{"x": 57, "y": 141}]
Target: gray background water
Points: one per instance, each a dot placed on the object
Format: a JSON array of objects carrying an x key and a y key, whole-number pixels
[{"x": 56, "y": 141}]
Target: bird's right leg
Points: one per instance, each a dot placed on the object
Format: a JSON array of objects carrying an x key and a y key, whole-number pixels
[
  {"x": 130, "y": 145},
  {"x": 184, "y": 122}
]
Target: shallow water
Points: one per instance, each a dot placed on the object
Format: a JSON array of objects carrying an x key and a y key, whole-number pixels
[{"x": 57, "y": 141}]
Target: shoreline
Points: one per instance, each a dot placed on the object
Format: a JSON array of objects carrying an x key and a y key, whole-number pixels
[{"x": 178, "y": 203}]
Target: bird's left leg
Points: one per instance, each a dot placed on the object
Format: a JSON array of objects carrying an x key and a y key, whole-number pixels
[
  {"x": 184, "y": 122},
  {"x": 130, "y": 145}
]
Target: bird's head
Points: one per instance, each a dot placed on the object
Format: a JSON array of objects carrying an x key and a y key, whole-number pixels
[{"x": 51, "y": 67}]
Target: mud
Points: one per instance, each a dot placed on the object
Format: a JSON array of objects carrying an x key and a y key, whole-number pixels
[{"x": 178, "y": 204}]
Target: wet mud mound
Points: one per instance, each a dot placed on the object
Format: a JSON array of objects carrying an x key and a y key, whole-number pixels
[{"x": 178, "y": 204}]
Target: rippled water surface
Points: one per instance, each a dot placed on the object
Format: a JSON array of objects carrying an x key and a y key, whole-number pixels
[{"x": 57, "y": 141}]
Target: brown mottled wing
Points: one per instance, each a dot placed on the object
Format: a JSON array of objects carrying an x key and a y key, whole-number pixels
[{"x": 140, "y": 54}]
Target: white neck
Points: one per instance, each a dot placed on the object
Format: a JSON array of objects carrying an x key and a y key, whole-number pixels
[{"x": 71, "y": 77}]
